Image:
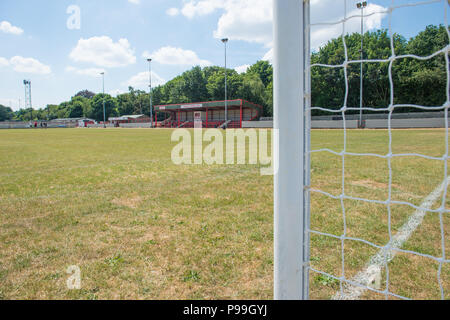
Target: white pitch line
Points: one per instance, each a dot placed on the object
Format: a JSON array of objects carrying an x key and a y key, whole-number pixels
[{"x": 373, "y": 272}]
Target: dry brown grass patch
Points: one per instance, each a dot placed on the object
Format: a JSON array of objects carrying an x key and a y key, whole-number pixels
[{"x": 132, "y": 201}]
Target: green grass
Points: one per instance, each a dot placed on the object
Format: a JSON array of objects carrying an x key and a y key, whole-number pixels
[{"x": 139, "y": 227}]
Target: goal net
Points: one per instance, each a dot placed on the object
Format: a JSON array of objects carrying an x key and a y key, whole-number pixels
[{"x": 360, "y": 213}]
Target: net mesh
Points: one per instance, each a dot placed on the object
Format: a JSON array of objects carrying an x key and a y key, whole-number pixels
[{"x": 352, "y": 287}]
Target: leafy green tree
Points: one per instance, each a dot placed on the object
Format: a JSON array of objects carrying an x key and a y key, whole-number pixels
[
  {"x": 329, "y": 84},
  {"x": 157, "y": 96},
  {"x": 174, "y": 91},
  {"x": 85, "y": 94},
  {"x": 143, "y": 101},
  {"x": 83, "y": 103},
  {"x": 25, "y": 114},
  {"x": 6, "y": 113},
  {"x": 268, "y": 110},
  {"x": 138, "y": 102},
  {"x": 63, "y": 109},
  {"x": 209, "y": 71},
  {"x": 52, "y": 111},
  {"x": 216, "y": 85},
  {"x": 125, "y": 104},
  {"x": 97, "y": 107},
  {"x": 423, "y": 82},
  {"x": 264, "y": 70},
  {"x": 75, "y": 110},
  {"x": 252, "y": 88},
  {"x": 195, "y": 85}
]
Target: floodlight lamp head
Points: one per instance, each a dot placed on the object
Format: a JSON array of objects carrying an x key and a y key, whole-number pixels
[
  {"x": 360, "y": 5},
  {"x": 225, "y": 40},
  {"x": 149, "y": 60}
]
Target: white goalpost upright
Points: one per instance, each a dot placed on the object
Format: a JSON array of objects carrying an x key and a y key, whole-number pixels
[{"x": 290, "y": 244}]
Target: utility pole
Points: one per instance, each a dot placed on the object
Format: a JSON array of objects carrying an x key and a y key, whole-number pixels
[
  {"x": 150, "y": 91},
  {"x": 28, "y": 103},
  {"x": 225, "y": 41},
  {"x": 361, "y": 5},
  {"x": 104, "y": 111}
]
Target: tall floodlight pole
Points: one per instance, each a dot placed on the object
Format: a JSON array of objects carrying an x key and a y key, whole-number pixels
[
  {"x": 361, "y": 5},
  {"x": 104, "y": 111},
  {"x": 150, "y": 91},
  {"x": 28, "y": 103},
  {"x": 225, "y": 41}
]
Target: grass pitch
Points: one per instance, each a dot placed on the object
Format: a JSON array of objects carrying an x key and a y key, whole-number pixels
[{"x": 139, "y": 227}]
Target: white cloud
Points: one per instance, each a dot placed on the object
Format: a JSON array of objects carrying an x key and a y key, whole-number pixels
[
  {"x": 7, "y": 27},
  {"x": 173, "y": 12},
  {"x": 25, "y": 65},
  {"x": 201, "y": 8},
  {"x": 13, "y": 103},
  {"x": 91, "y": 72},
  {"x": 29, "y": 65},
  {"x": 135, "y": 1},
  {"x": 268, "y": 56},
  {"x": 242, "y": 69},
  {"x": 249, "y": 20},
  {"x": 4, "y": 62},
  {"x": 252, "y": 20},
  {"x": 142, "y": 80},
  {"x": 177, "y": 56},
  {"x": 104, "y": 52},
  {"x": 115, "y": 93},
  {"x": 333, "y": 11}
]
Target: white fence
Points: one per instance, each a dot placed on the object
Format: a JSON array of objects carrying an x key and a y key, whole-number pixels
[
  {"x": 26, "y": 125},
  {"x": 100, "y": 126},
  {"x": 353, "y": 124},
  {"x": 315, "y": 124},
  {"x": 14, "y": 125},
  {"x": 406, "y": 123},
  {"x": 135, "y": 125}
]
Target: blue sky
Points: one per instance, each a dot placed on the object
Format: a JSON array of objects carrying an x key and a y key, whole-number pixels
[{"x": 116, "y": 36}]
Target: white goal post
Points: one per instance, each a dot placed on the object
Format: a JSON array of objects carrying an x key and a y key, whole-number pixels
[{"x": 290, "y": 244}]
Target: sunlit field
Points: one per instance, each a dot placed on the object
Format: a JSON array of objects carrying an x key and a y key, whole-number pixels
[{"x": 140, "y": 227}]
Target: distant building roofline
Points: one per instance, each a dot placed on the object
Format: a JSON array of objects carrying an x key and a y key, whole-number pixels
[
  {"x": 72, "y": 119},
  {"x": 127, "y": 117}
]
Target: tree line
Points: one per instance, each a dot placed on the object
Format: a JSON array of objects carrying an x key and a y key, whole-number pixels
[{"x": 415, "y": 81}]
